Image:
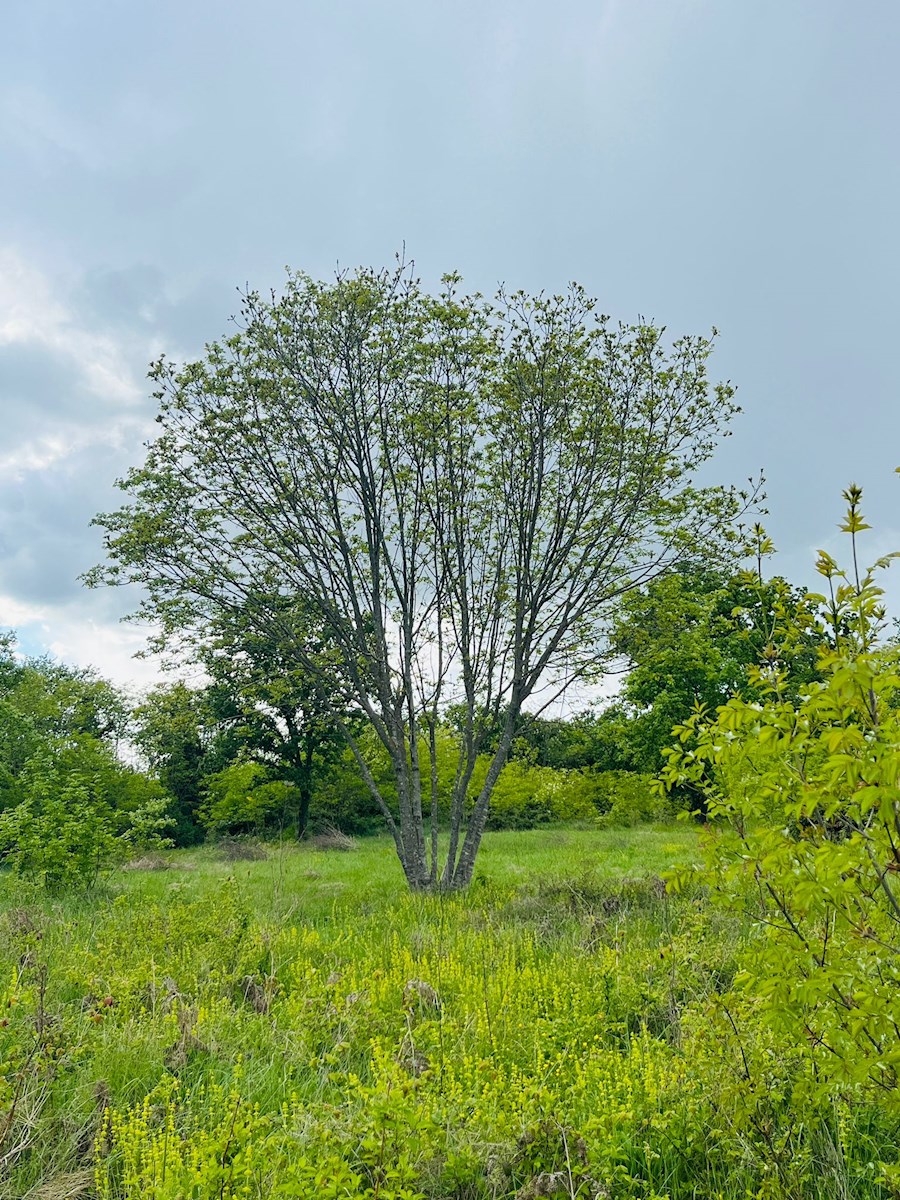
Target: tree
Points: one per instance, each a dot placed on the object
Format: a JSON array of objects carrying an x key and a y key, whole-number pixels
[
  {"x": 456, "y": 489},
  {"x": 691, "y": 639},
  {"x": 177, "y": 734},
  {"x": 60, "y": 700},
  {"x": 272, "y": 709},
  {"x": 47, "y": 704}
]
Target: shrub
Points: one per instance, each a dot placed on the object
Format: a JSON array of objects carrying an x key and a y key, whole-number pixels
[
  {"x": 242, "y": 799},
  {"x": 806, "y": 800},
  {"x": 526, "y": 796},
  {"x": 625, "y": 798},
  {"x": 66, "y": 829}
]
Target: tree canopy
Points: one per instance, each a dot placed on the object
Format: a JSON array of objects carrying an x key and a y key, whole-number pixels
[{"x": 457, "y": 490}]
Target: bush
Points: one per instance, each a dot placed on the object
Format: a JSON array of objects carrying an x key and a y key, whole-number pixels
[
  {"x": 342, "y": 800},
  {"x": 804, "y": 794},
  {"x": 526, "y": 796},
  {"x": 242, "y": 799},
  {"x": 66, "y": 828},
  {"x": 625, "y": 798}
]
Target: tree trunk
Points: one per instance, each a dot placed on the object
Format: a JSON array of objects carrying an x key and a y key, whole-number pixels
[
  {"x": 465, "y": 867},
  {"x": 304, "y": 786}
]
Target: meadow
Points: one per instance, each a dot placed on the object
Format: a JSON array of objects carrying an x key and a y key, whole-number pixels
[{"x": 302, "y": 1025}]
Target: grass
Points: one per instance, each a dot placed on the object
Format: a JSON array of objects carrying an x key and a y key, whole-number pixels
[
  {"x": 300, "y": 882},
  {"x": 302, "y": 1026}
]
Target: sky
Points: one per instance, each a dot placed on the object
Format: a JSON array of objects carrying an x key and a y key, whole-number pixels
[{"x": 697, "y": 163}]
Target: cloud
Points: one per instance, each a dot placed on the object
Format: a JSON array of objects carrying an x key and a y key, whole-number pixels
[
  {"x": 74, "y": 412},
  {"x": 85, "y": 633},
  {"x": 73, "y": 415},
  {"x": 63, "y": 384}
]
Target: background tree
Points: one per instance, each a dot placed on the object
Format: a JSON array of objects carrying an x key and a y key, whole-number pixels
[
  {"x": 271, "y": 709},
  {"x": 457, "y": 491},
  {"x": 178, "y": 734},
  {"x": 692, "y": 639},
  {"x": 67, "y": 702}
]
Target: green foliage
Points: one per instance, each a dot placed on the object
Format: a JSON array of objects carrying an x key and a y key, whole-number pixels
[
  {"x": 177, "y": 734},
  {"x": 19, "y": 742},
  {"x": 61, "y": 833},
  {"x": 62, "y": 701},
  {"x": 625, "y": 798},
  {"x": 526, "y": 796},
  {"x": 343, "y": 800},
  {"x": 69, "y": 808},
  {"x": 806, "y": 793},
  {"x": 77, "y": 813},
  {"x": 242, "y": 798},
  {"x": 692, "y": 639}
]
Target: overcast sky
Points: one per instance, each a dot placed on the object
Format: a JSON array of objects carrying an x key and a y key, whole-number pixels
[{"x": 697, "y": 162}]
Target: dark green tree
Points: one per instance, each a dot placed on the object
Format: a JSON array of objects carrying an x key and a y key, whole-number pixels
[
  {"x": 178, "y": 734},
  {"x": 692, "y": 639},
  {"x": 271, "y": 709}
]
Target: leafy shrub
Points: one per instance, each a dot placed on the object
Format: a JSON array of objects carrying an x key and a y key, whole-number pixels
[
  {"x": 241, "y": 798},
  {"x": 66, "y": 828},
  {"x": 805, "y": 795},
  {"x": 526, "y": 796},
  {"x": 625, "y": 798}
]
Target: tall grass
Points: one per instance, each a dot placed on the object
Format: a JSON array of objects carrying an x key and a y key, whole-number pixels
[{"x": 301, "y": 1025}]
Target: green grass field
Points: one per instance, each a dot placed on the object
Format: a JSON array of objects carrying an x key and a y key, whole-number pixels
[
  {"x": 305, "y": 884},
  {"x": 302, "y": 1026}
]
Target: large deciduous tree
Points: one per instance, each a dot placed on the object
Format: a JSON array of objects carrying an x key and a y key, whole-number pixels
[{"x": 457, "y": 490}]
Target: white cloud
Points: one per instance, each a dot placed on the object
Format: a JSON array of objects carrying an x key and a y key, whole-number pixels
[
  {"x": 31, "y": 310},
  {"x": 74, "y": 635},
  {"x": 33, "y": 315}
]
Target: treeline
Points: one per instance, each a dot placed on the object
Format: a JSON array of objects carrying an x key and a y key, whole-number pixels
[{"x": 87, "y": 774}]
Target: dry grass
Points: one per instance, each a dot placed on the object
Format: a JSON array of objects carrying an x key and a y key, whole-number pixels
[
  {"x": 70, "y": 1186},
  {"x": 148, "y": 862},
  {"x": 333, "y": 839},
  {"x": 241, "y": 850}
]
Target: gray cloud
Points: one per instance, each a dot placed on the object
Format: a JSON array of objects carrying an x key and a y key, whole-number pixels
[
  {"x": 36, "y": 386},
  {"x": 46, "y": 539},
  {"x": 699, "y": 163}
]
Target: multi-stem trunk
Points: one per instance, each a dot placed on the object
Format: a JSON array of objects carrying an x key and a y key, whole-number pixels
[{"x": 464, "y": 867}]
